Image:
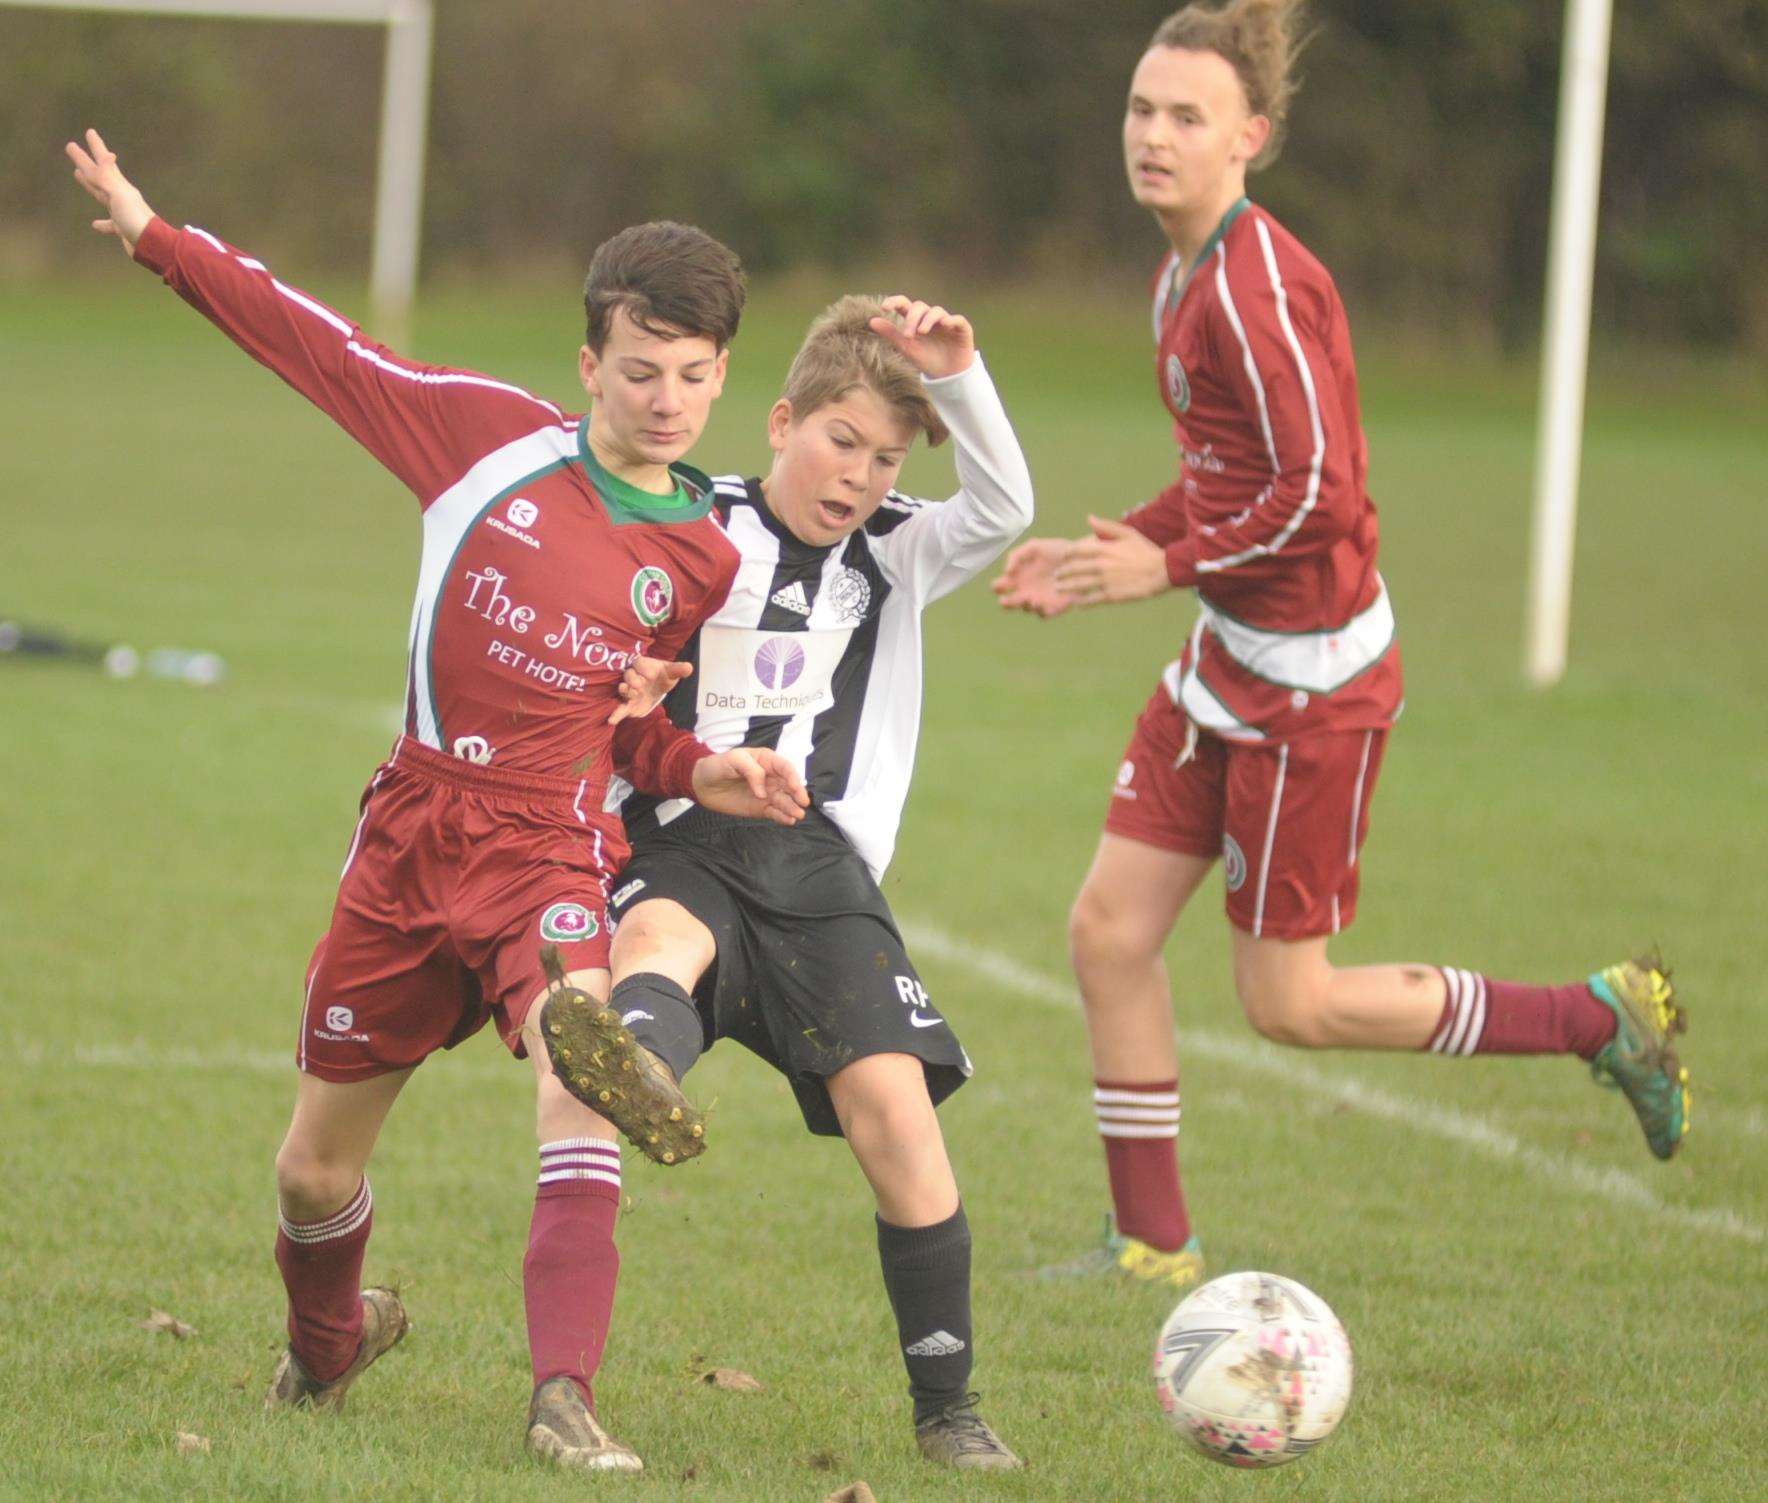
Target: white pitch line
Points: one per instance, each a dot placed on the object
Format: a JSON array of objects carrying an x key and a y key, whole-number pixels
[
  {"x": 226, "y": 1059},
  {"x": 1464, "y": 1128}
]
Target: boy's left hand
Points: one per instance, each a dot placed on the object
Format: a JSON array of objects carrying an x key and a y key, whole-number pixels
[
  {"x": 752, "y": 782},
  {"x": 1115, "y": 564},
  {"x": 937, "y": 343},
  {"x": 645, "y": 685}
]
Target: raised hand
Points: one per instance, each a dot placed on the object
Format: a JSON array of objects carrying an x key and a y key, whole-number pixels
[
  {"x": 752, "y": 782},
  {"x": 645, "y": 685},
  {"x": 96, "y": 170},
  {"x": 1115, "y": 564},
  {"x": 937, "y": 343},
  {"x": 1027, "y": 581}
]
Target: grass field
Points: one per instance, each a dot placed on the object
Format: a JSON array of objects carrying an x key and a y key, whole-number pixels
[{"x": 1540, "y": 1311}]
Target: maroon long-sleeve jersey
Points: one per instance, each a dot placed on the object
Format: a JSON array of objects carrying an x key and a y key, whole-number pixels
[
  {"x": 1270, "y": 520},
  {"x": 541, "y": 576}
]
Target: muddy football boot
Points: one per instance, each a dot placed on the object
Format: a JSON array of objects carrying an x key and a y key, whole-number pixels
[
  {"x": 383, "y": 1324},
  {"x": 563, "y": 1431},
  {"x": 1639, "y": 1059},
  {"x": 599, "y": 1062},
  {"x": 1135, "y": 1258},
  {"x": 957, "y": 1436}
]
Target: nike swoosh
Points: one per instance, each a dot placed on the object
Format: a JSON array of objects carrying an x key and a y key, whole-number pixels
[
  {"x": 631, "y": 1017},
  {"x": 921, "y": 1022}
]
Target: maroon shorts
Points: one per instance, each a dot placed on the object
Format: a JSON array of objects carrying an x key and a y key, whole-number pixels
[
  {"x": 455, "y": 878},
  {"x": 1287, "y": 820}
]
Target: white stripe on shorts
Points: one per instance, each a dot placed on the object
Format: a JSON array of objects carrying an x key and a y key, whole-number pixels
[{"x": 1264, "y": 866}]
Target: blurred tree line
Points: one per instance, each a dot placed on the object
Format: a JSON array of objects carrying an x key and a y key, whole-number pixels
[{"x": 979, "y": 135}]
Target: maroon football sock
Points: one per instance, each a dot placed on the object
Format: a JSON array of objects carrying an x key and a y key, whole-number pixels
[
  {"x": 569, "y": 1273},
  {"x": 1139, "y": 1126},
  {"x": 321, "y": 1263},
  {"x": 1483, "y": 1016}
]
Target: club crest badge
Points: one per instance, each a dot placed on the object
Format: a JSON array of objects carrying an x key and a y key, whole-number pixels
[
  {"x": 1178, "y": 385},
  {"x": 564, "y": 923},
  {"x": 851, "y": 597},
  {"x": 653, "y": 596},
  {"x": 1233, "y": 863}
]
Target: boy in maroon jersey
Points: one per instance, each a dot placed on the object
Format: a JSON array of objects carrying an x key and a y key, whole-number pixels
[
  {"x": 1263, "y": 741},
  {"x": 557, "y": 552}
]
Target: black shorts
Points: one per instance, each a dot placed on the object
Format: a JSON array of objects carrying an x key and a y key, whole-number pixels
[{"x": 811, "y": 972}]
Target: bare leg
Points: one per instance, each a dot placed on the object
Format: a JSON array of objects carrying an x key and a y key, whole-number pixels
[
  {"x": 1292, "y": 993},
  {"x": 888, "y": 1118},
  {"x": 1117, "y": 932},
  {"x": 923, "y": 1250},
  {"x": 662, "y": 937},
  {"x": 327, "y": 1217},
  {"x": 571, "y": 1266},
  {"x": 329, "y": 1142}
]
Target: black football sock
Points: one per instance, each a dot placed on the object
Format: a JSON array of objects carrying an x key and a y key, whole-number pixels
[
  {"x": 663, "y": 1018},
  {"x": 927, "y": 1276}
]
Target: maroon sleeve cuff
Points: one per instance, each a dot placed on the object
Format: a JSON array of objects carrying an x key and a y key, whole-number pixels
[
  {"x": 158, "y": 247},
  {"x": 675, "y": 771},
  {"x": 1181, "y": 565}
]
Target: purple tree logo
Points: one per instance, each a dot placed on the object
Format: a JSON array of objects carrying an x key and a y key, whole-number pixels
[{"x": 779, "y": 662}]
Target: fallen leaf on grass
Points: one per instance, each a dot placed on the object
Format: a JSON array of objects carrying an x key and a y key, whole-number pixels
[
  {"x": 170, "y": 1324},
  {"x": 192, "y": 1445},
  {"x": 854, "y": 1492},
  {"x": 731, "y": 1379}
]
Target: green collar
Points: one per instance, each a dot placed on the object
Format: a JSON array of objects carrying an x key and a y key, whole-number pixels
[
  {"x": 625, "y": 502},
  {"x": 1209, "y": 245}
]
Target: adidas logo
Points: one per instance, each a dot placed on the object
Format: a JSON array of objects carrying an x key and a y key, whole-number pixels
[
  {"x": 939, "y": 1344},
  {"x": 792, "y": 598}
]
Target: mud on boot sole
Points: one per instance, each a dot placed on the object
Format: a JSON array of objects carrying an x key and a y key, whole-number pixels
[{"x": 598, "y": 1061}]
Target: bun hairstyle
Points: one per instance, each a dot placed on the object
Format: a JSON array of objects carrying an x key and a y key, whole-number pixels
[{"x": 1260, "y": 38}]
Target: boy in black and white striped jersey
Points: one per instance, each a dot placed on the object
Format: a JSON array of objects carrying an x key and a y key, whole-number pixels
[{"x": 787, "y": 945}]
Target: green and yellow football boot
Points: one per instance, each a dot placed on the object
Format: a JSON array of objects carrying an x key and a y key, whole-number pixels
[
  {"x": 1639, "y": 1059},
  {"x": 1135, "y": 1258}
]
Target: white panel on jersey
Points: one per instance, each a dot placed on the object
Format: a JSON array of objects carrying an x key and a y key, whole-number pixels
[
  {"x": 760, "y": 553},
  {"x": 870, "y": 812},
  {"x": 1199, "y": 701},
  {"x": 745, "y": 673},
  {"x": 447, "y": 521},
  {"x": 1317, "y": 661}
]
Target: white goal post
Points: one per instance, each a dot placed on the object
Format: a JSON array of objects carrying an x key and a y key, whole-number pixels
[
  {"x": 1565, "y": 343},
  {"x": 405, "y": 108}
]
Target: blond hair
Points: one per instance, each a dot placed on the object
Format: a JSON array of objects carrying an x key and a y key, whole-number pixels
[
  {"x": 1260, "y": 39},
  {"x": 841, "y": 352}
]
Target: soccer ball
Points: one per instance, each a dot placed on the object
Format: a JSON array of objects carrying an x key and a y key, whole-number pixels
[{"x": 1253, "y": 1369}]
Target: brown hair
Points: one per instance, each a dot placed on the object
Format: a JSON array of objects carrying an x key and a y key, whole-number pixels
[
  {"x": 1260, "y": 38},
  {"x": 671, "y": 279},
  {"x": 841, "y": 352}
]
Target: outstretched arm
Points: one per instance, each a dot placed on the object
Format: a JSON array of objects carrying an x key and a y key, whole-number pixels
[
  {"x": 1124, "y": 560},
  {"x": 940, "y": 546},
  {"x": 427, "y": 424},
  {"x": 1027, "y": 581},
  {"x": 126, "y": 213},
  {"x": 660, "y": 759}
]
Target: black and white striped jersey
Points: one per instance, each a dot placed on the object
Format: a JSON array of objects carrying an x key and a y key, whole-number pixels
[{"x": 816, "y": 652}]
